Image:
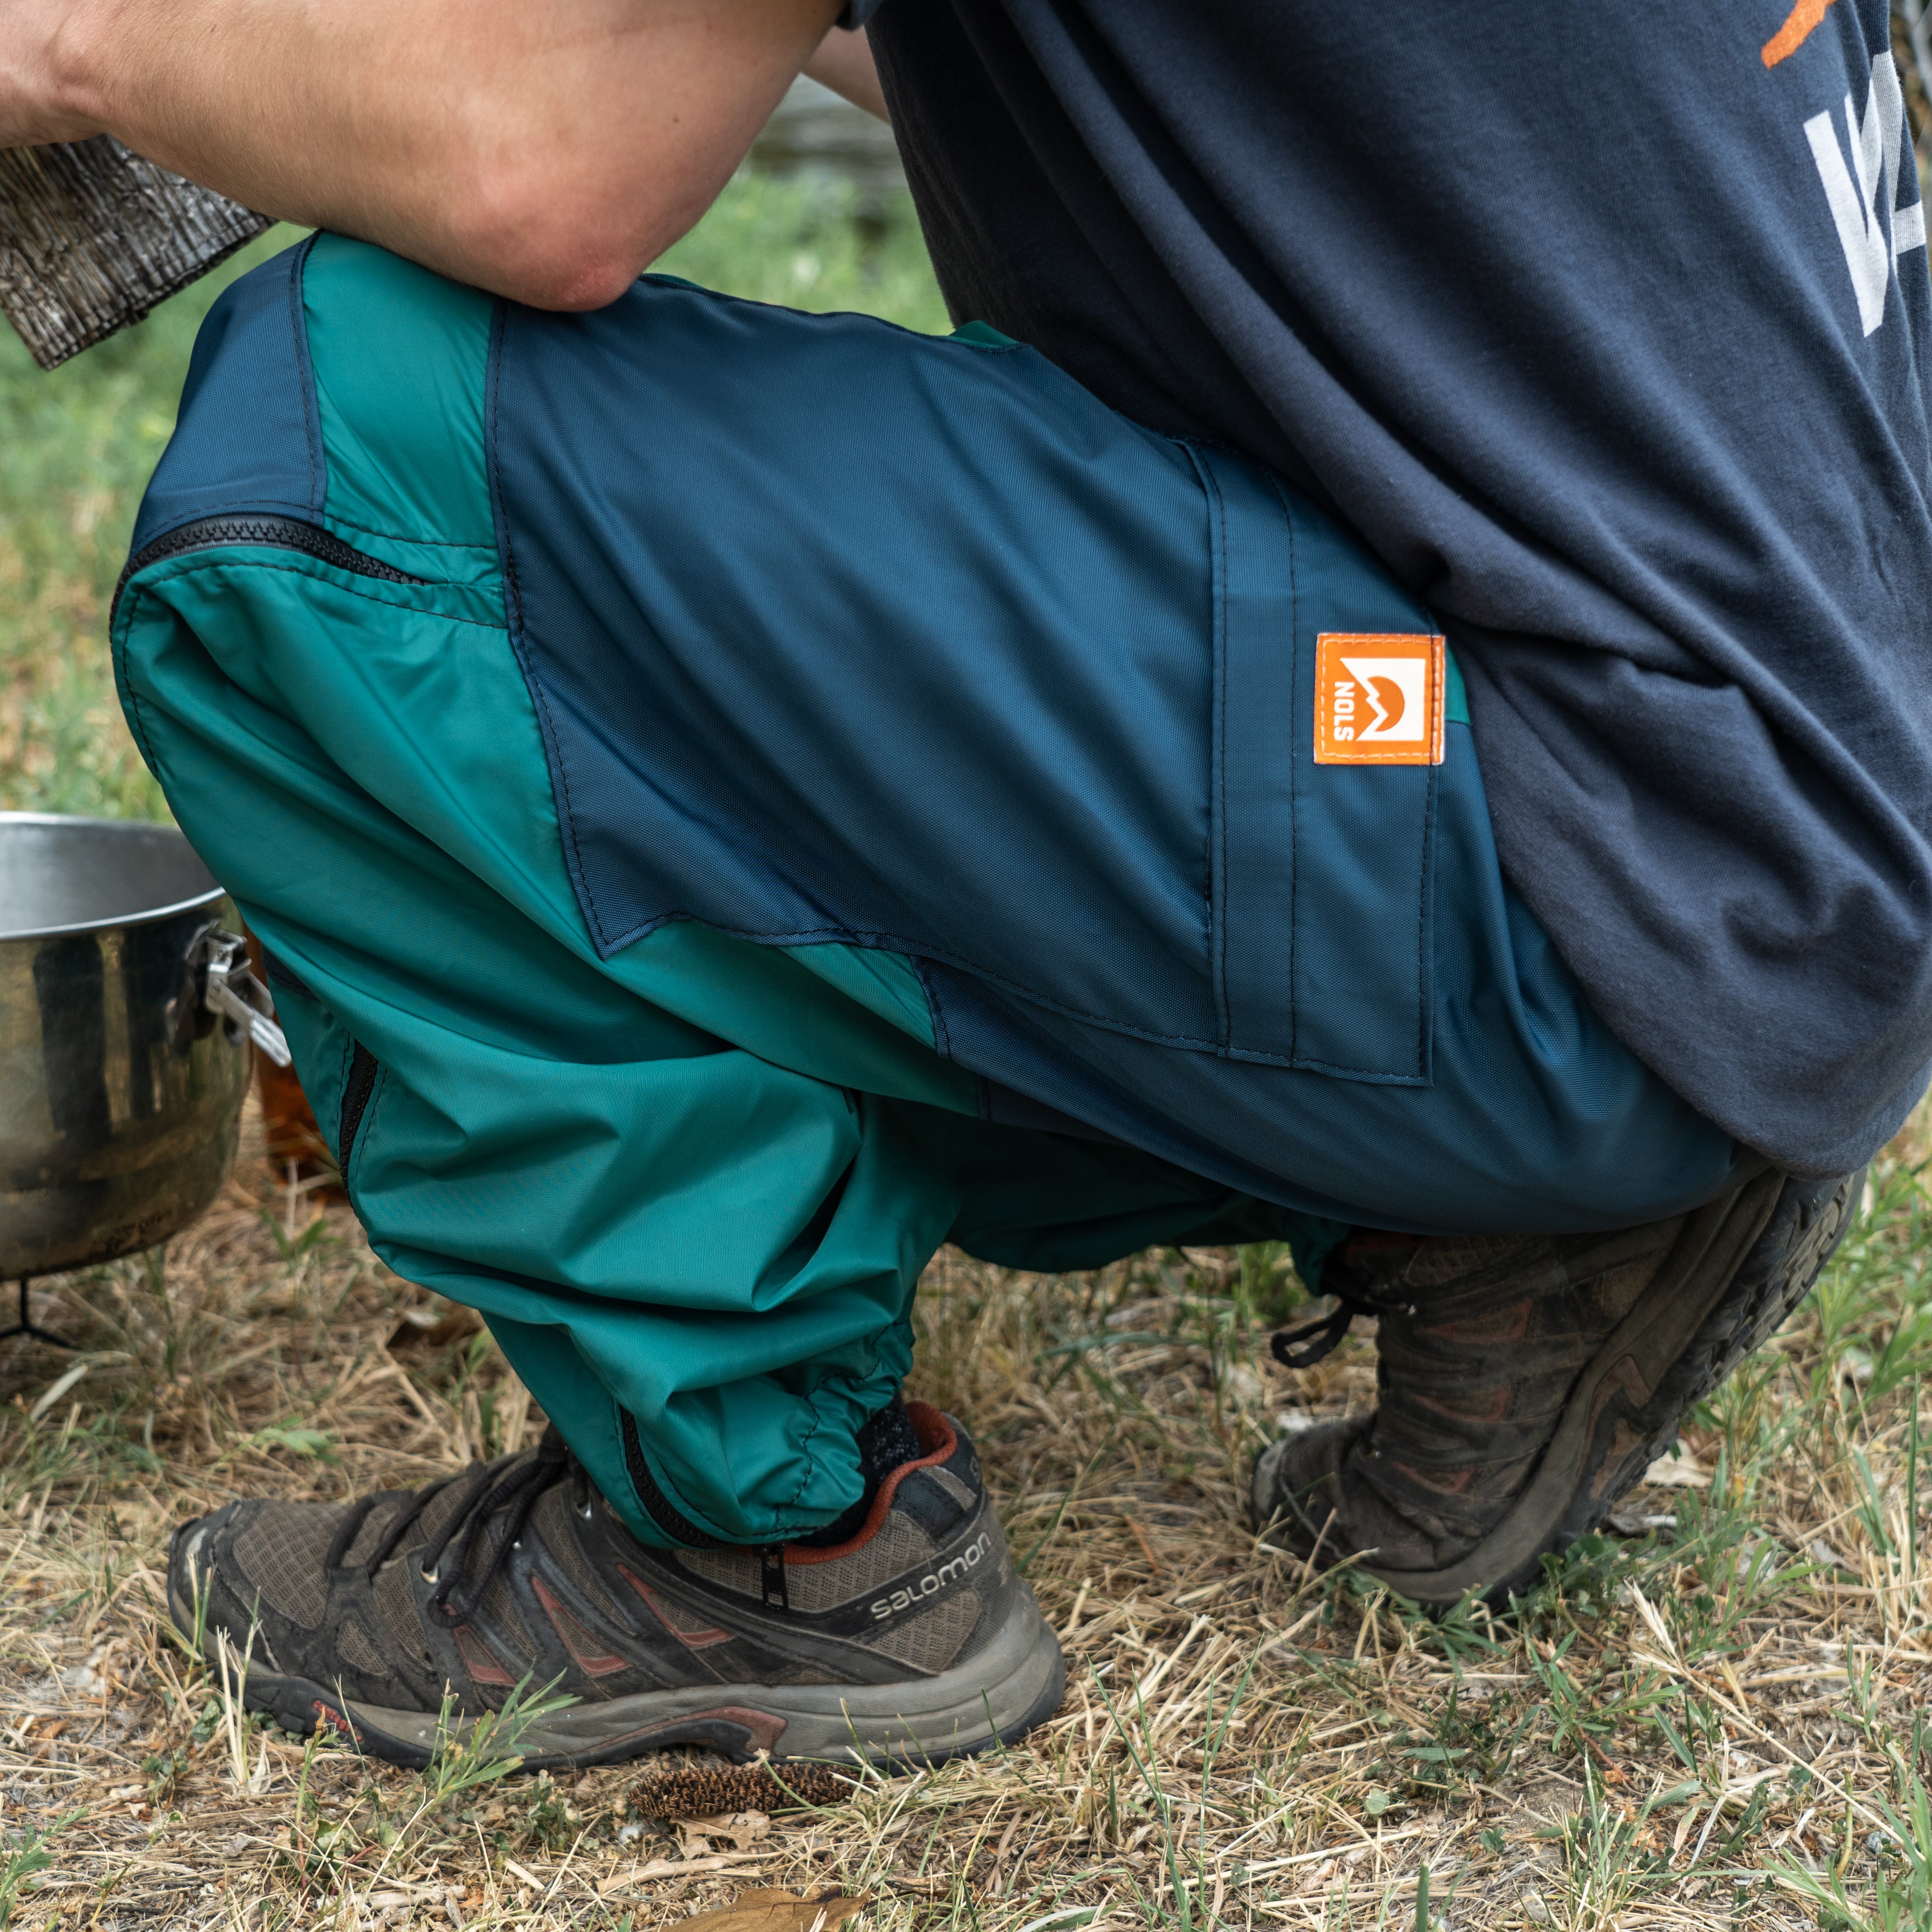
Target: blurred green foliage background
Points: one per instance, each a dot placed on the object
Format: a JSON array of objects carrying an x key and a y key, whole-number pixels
[{"x": 77, "y": 444}]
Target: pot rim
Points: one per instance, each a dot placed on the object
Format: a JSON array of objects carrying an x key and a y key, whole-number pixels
[{"x": 148, "y": 916}]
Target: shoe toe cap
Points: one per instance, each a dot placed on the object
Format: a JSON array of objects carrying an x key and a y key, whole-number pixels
[{"x": 1292, "y": 1477}]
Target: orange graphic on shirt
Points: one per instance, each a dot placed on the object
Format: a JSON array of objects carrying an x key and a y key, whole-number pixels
[
  {"x": 1795, "y": 31},
  {"x": 1377, "y": 698}
]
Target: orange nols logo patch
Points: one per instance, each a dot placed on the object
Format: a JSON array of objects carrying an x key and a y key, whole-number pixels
[{"x": 1377, "y": 698}]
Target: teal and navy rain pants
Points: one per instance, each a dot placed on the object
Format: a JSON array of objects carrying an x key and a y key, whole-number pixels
[{"x": 735, "y": 799}]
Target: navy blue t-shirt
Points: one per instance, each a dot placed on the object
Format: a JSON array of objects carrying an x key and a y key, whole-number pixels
[{"x": 1607, "y": 328}]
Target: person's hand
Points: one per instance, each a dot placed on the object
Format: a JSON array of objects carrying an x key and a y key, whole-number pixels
[{"x": 35, "y": 106}]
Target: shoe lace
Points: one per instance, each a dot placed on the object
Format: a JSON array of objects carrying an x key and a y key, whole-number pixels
[
  {"x": 492, "y": 1490},
  {"x": 1353, "y": 1286},
  {"x": 1323, "y": 1336}
]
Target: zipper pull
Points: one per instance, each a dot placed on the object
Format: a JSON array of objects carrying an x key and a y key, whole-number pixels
[{"x": 771, "y": 1556}]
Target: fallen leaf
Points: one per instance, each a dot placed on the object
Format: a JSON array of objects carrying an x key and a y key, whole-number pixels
[
  {"x": 738, "y": 1829},
  {"x": 758, "y": 1910},
  {"x": 1637, "y": 1523},
  {"x": 428, "y": 1328},
  {"x": 1678, "y": 1471},
  {"x": 685, "y": 1867}
]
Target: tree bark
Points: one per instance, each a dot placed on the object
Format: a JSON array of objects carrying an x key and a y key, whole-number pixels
[{"x": 92, "y": 237}]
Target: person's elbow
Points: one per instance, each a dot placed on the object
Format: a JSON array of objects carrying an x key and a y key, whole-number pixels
[
  {"x": 572, "y": 236},
  {"x": 565, "y": 273}
]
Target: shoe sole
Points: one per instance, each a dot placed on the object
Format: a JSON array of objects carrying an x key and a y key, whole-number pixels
[
  {"x": 1672, "y": 1349},
  {"x": 1014, "y": 1684}
]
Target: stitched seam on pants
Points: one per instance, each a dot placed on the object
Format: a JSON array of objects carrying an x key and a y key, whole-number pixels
[
  {"x": 498, "y": 354},
  {"x": 1221, "y": 905},
  {"x": 1294, "y": 756},
  {"x": 852, "y": 1380},
  {"x": 1424, "y": 900},
  {"x": 141, "y": 737},
  {"x": 896, "y": 942},
  {"x": 171, "y": 568},
  {"x": 1214, "y": 856},
  {"x": 942, "y": 1038},
  {"x": 402, "y": 536},
  {"x": 311, "y": 432}
]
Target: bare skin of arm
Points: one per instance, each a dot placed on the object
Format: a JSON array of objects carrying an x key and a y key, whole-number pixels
[
  {"x": 844, "y": 63},
  {"x": 547, "y": 152}
]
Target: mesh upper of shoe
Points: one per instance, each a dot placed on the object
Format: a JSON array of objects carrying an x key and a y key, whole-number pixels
[
  {"x": 734, "y": 1568},
  {"x": 823, "y": 1585},
  {"x": 1617, "y": 1288},
  {"x": 551, "y": 1518},
  {"x": 281, "y": 1553},
  {"x": 898, "y": 1544},
  {"x": 1434, "y": 1264},
  {"x": 396, "y": 1605},
  {"x": 356, "y": 1647},
  {"x": 393, "y": 1594},
  {"x": 374, "y": 1524},
  {"x": 498, "y": 1608},
  {"x": 931, "y": 1640}
]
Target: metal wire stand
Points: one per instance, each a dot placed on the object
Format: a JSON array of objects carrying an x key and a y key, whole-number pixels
[{"x": 31, "y": 1329}]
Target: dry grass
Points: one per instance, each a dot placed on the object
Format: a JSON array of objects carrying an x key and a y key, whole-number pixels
[{"x": 1703, "y": 1721}]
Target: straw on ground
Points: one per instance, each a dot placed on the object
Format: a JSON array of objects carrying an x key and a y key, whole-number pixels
[{"x": 1712, "y": 1714}]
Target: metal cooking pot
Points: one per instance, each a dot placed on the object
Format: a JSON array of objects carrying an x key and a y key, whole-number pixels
[{"x": 126, "y": 1009}]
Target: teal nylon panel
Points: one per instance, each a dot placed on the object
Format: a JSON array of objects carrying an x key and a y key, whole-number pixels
[{"x": 698, "y": 1181}]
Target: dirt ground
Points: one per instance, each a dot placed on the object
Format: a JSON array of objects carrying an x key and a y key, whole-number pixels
[{"x": 1713, "y": 1714}]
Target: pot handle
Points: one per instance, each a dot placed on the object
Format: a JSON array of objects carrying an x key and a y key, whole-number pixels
[{"x": 231, "y": 990}]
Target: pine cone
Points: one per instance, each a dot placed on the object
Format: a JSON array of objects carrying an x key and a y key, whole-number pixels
[{"x": 707, "y": 1790}]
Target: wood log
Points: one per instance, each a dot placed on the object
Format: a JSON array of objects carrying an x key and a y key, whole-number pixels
[{"x": 92, "y": 237}]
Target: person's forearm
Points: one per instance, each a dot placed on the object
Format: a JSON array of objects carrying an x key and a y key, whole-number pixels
[{"x": 546, "y": 151}]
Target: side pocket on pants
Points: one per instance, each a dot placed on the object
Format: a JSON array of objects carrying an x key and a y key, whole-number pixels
[{"x": 1322, "y": 944}]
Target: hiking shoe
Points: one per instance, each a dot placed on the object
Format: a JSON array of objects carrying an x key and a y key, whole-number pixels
[
  {"x": 913, "y": 1640},
  {"x": 1525, "y": 1382}
]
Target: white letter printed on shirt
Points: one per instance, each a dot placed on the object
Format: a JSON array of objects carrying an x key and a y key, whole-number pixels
[{"x": 1874, "y": 230}]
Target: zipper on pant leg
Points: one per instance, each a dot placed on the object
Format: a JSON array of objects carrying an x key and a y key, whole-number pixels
[
  {"x": 267, "y": 532},
  {"x": 356, "y": 1090},
  {"x": 658, "y": 1506}
]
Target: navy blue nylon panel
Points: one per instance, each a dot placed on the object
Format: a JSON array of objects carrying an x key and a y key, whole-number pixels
[
  {"x": 842, "y": 633},
  {"x": 839, "y": 633},
  {"x": 1250, "y": 777},
  {"x": 1536, "y": 1118},
  {"x": 1362, "y": 841},
  {"x": 248, "y": 437},
  {"x": 1324, "y": 961}
]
